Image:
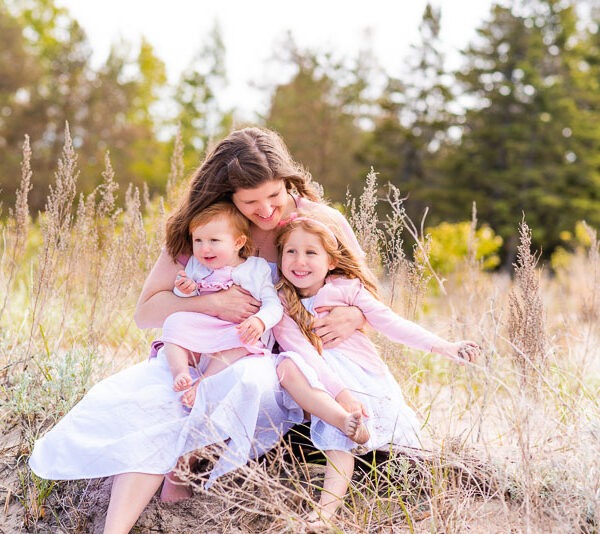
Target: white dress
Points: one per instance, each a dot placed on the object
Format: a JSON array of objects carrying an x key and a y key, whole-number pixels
[{"x": 133, "y": 421}]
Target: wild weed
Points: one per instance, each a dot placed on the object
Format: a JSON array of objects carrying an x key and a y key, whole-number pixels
[{"x": 526, "y": 324}]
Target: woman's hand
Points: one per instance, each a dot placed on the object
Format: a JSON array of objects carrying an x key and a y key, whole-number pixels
[
  {"x": 234, "y": 304},
  {"x": 338, "y": 325}
]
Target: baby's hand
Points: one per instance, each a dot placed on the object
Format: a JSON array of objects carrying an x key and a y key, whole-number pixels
[
  {"x": 463, "y": 351},
  {"x": 184, "y": 284},
  {"x": 250, "y": 330}
]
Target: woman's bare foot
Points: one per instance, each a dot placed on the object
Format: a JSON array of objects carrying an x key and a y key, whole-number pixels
[
  {"x": 182, "y": 381},
  {"x": 355, "y": 429},
  {"x": 174, "y": 489},
  {"x": 189, "y": 397}
]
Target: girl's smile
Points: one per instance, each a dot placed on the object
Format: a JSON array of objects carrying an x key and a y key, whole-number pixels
[{"x": 304, "y": 262}]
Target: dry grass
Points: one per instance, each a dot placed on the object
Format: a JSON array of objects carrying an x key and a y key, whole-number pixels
[{"x": 509, "y": 444}]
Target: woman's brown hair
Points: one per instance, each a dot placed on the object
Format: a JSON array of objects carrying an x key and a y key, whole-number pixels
[
  {"x": 245, "y": 159},
  {"x": 347, "y": 264}
]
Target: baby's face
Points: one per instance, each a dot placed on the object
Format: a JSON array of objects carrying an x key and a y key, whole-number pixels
[{"x": 215, "y": 245}]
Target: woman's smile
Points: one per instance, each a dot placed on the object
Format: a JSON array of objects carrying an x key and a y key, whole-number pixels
[{"x": 265, "y": 205}]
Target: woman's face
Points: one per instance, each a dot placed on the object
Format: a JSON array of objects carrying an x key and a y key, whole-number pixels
[{"x": 265, "y": 205}]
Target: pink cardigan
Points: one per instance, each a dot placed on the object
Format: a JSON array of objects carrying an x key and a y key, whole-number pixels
[{"x": 339, "y": 291}]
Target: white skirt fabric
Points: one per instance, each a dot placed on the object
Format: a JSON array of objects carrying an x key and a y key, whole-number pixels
[
  {"x": 391, "y": 422},
  {"x": 133, "y": 421}
]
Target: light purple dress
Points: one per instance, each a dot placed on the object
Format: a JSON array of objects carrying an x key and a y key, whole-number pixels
[{"x": 356, "y": 365}]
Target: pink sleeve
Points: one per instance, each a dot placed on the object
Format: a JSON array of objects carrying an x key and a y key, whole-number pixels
[
  {"x": 389, "y": 323},
  {"x": 290, "y": 338},
  {"x": 183, "y": 259}
]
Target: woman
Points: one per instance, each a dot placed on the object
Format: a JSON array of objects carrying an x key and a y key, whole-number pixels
[{"x": 241, "y": 405}]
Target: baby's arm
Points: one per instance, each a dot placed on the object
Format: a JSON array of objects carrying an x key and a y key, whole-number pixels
[
  {"x": 184, "y": 286},
  {"x": 271, "y": 310}
]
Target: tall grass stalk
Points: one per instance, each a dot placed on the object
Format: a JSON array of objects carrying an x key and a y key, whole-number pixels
[
  {"x": 527, "y": 321},
  {"x": 363, "y": 218},
  {"x": 17, "y": 236}
]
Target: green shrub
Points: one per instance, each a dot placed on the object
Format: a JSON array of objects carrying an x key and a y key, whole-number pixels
[{"x": 450, "y": 246}]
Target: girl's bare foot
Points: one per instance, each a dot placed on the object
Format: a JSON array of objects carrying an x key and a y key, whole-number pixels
[
  {"x": 318, "y": 522},
  {"x": 182, "y": 381},
  {"x": 189, "y": 397},
  {"x": 355, "y": 429}
]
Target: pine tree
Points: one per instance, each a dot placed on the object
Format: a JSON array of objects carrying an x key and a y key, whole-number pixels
[
  {"x": 414, "y": 119},
  {"x": 199, "y": 115},
  {"x": 528, "y": 140},
  {"x": 318, "y": 113}
]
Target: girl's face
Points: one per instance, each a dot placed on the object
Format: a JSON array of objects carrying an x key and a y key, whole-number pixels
[
  {"x": 214, "y": 244},
  {"x": 264, "y": 205},
  {"x": 304, "y": 262}
]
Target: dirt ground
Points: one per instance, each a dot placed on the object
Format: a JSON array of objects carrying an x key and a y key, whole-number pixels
[{"x": 80, "y": 506}]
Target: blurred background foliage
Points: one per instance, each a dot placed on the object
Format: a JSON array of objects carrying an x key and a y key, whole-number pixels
[{"x": 516, "y": 128}]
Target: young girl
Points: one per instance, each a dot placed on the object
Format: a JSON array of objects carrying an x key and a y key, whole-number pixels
[
  {"x": 221, "y": 249},
  {"x": 317, "y": 270}
]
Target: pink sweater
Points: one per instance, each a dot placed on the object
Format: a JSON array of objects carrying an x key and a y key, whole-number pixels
[{"x": 339, "y": 291}]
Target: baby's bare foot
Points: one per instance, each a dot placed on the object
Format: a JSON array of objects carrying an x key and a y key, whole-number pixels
[
  {"x": 355, "y": 429},
  {"x": 182, "y": 381},
  {"x": 189, "y": 397}
]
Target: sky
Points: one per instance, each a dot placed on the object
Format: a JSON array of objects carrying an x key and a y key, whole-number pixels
[{"x": 252, "y": 30}]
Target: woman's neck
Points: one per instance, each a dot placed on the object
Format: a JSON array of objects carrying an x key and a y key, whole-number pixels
[{"x": 264, "y": 240}]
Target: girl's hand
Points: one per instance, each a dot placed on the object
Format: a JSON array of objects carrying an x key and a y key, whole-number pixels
[
  {"x": 347, "y": 401},
  {"x": 462, "y": 351},
  {"x": 184, "y": 284},
  {"x": 338, "y": 325},
  {"x": 250, "y": 330},
  {"x": 233, "y": 305}
]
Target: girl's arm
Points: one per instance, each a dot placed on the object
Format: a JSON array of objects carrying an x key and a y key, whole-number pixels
[
  {"x": 291, "y": 339},
  {"x": 401, "y": 330},
  {"x": 157, "y": 300},
  {"x": 459, "y": 351}
]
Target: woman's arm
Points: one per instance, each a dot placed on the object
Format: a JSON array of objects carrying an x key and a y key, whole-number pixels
[
  {"x": 338, "y": 325},
  {"x": 157, "y": 300}
]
